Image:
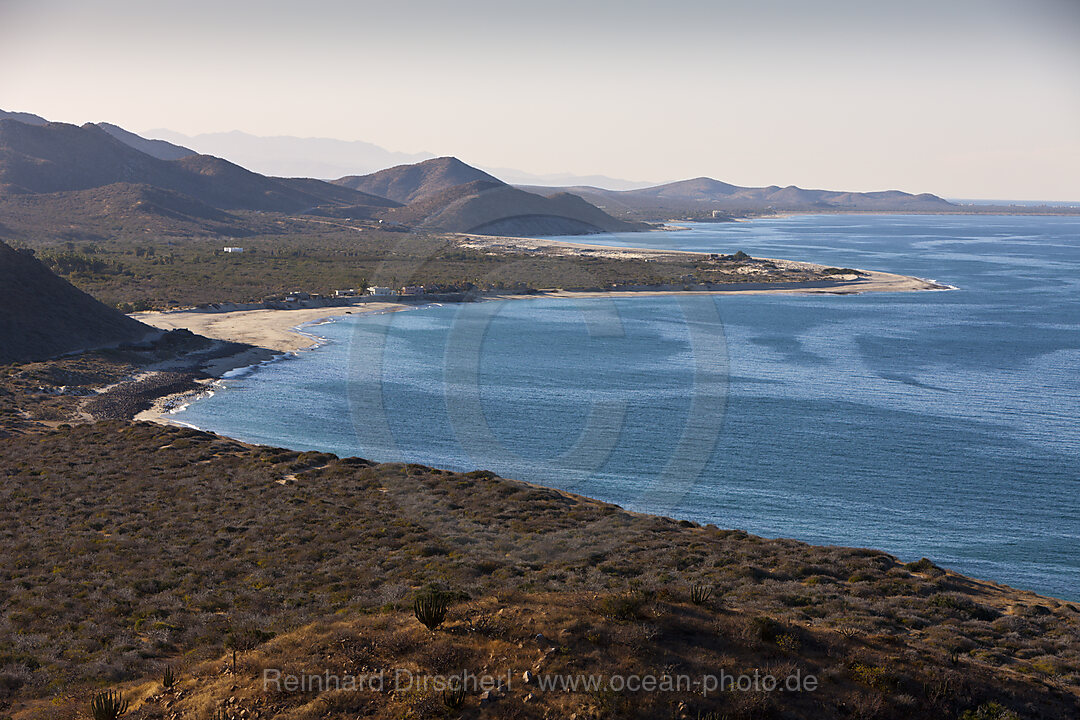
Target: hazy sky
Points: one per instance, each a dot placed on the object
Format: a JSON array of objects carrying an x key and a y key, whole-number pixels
[{"x": 963, "y": 98}]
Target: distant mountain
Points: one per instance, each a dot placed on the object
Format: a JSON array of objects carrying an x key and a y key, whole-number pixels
[
  {"x": 156, "y": 148},
  {"x": 57, "y": 157},
  {"x": 287, "y": 156},
  {"x": 446, "y": 194},
  {"x": 486, "y": 207},
  {"x": 27, "y": 118},
  {"x": 45, "y": 316},
  {"x": 702, "y": 195},
  {"x": 408, "y": 183}
]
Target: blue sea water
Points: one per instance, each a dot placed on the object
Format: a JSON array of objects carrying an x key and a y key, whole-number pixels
[{"x": 938, "y": 424}]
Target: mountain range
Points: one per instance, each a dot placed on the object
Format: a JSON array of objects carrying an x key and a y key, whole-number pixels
[
  {"x": 327, "y": 158},
  {"x": 57, "y": 169},
  {"x": 103, "y": 171},
  {"x": 705, "y": 195}
]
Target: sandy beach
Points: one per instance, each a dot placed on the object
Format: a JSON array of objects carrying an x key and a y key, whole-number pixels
[
  {"x": 271, "y": 332},
  {"x": 264, "y": 328}
]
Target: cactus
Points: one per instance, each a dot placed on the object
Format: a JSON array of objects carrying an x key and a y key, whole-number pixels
[
  {"x": 454, "y": 696},
  {"x": 700, "y": 594},
  {"x": 108, "y": 705},
  {"x": 430, "y": 608},
  {"x": 168, "y": 678}
]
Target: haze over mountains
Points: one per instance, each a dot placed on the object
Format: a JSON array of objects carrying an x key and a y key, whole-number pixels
[
  {"x": 292, "y": 156},
  {"x": 328, "y": 158}
]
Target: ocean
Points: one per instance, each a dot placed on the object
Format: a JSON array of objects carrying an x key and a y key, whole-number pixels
[{"x": 940, "y": 424}]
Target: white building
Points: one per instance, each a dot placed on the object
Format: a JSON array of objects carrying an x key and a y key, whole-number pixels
[
  {"x": 233, "y": 249},
  {"x": 378, "y": 290}
]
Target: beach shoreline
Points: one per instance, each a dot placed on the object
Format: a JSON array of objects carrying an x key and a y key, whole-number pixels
[
  {"x": 273, "y": 333},
  {"x": 278, "y": 329}
]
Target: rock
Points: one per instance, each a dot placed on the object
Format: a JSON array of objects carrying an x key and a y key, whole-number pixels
[{"x": 527, "y": 677}]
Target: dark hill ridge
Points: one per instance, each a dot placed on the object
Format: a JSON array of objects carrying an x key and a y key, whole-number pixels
[
  {"x": 408, "y": 183},
  {"x": 446, "y": 194},
  {"x": 45, "y": 316},
  {"x": 57, "y": 157},
  {"x": 28, "y": 118},
  {"x": 160, "y": 149},
  {"x": 494, "y": 208}
]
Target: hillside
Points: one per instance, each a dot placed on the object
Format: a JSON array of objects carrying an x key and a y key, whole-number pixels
[
  {"x": 408, "y": 183},
  {"x": 57, "y": 157},
  {"x": 45, "y": 316},
  {"x": 446, "y": 194},
  {"x": 494, "y": 208},
  {"x": 28, "y": 118},
  {"x": 182, "y": 545},
  {"x": 703, "y": 195}
]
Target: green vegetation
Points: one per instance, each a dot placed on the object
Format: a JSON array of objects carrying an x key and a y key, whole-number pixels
[
  {"x": 108, "y": 705},
  {"x": 168, "y": 677},
  {"x": 990, "y": 711},
  {"x": 316, "y": 256},
  {"x": 923, "y": 565},
  {"x": 430, "y": 608},
  {"x": 700, "y": 594},
  {"x": 454, "y": 696}
]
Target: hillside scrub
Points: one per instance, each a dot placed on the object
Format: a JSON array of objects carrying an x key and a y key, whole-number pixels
[{"x": 126, "y": 547}]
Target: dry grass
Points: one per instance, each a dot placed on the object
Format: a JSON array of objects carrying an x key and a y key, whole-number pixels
[{"x": 129, "y": 546}]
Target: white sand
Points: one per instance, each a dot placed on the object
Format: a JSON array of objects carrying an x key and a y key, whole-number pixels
[{"x": 271, "y": 329}]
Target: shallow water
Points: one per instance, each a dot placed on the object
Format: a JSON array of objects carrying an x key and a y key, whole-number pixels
[{"x": 939, "y": 424}]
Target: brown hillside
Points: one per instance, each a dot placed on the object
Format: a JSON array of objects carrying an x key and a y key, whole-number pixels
[
  {"x": 488, "y": 208},
  {"x": 152, "y": 545},
  {"x": 408, "y": 183},
  {"x": 43, "y": 315}
]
